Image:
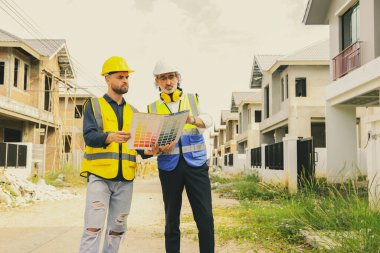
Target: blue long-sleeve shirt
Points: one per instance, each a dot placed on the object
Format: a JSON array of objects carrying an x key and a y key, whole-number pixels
[{"x": 94, "y": 138}]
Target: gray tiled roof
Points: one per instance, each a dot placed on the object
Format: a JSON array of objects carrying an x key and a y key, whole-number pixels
[
  {"x": 7, "y": 37},
  {"x": 265, "y": 62},
  {"x": 226, "y": 114},
  {"x": 318, "y": 51},
  {"x": 249, "y": 96},
  {"x": 45, "y": 47}
]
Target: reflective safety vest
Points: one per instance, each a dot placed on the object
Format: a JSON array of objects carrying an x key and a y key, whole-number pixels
[
  {"x": 104, "y": 161},
  {"x": 192, "y": 141}
]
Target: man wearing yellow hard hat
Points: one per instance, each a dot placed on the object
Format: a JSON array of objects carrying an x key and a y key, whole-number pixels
[
  {"x": 108, "y": 164},
  {"x": 183, "y": 164}
]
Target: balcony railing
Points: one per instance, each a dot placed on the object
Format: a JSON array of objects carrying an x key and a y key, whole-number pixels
[{"x": 347, "y": 60}]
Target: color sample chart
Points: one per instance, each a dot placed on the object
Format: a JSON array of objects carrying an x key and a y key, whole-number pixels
[
  {"x": 168, "y": 133},
  {"x": 149, "y": 129}
]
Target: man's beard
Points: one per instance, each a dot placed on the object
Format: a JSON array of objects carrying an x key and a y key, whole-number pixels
[{"x": 119, "y": 91}]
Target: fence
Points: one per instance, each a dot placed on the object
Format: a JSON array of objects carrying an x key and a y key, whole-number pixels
[
  {"x": 274, "y": 156},
  {"x": 13, "y": 155},
  {"x": 256, "y": 157}
]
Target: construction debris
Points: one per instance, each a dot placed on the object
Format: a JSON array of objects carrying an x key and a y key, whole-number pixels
[{"x": 16, "y": 191}]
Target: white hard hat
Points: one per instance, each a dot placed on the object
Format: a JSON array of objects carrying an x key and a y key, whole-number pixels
[{"x": 162, "y": 67}]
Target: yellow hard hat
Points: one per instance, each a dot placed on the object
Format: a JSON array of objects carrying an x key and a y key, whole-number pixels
[{"x": 115, "y": 64}]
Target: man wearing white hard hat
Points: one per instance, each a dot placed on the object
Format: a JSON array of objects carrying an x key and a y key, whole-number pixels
[{"x": 183, "y": 164}]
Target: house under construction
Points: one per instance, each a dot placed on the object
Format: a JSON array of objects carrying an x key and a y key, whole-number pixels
[{"x": 40, "y": 107}]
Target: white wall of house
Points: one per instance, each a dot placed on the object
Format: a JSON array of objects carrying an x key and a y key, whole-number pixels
[
  {"x": 373, "y": 162},
  {"x": 294, "y": 113},
  {"x": 341, "y": 120},
  {"x": 320, "y": 162},
  {"x": 250, "y": 135},
  {"x": 23, "y": 172},
  {"x": 341, "y": 142}
]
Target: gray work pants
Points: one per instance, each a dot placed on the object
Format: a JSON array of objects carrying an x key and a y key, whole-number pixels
[{"x": 105, "y": 196}]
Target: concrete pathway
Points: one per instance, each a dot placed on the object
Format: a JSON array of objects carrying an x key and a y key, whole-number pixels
[{"x": 56, "y": 226}]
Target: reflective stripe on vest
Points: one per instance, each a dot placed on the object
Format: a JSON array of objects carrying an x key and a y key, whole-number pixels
[
  {"x": 97, "y": 114},
  {"x": 194, "y": 108},
  {"x": 191, "y": 131},
  {"x": 104, "y": 161},
  {"x": 193, "y": 145},
  {"x": 187, "y": 149},
  {"x": 153, "y": 108},
  {"x": 109, "y": 155}
]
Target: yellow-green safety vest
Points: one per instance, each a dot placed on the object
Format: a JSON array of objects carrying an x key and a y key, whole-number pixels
[
  {"x": 192, "y": 142},
  {"x": 104, "y": 162}
]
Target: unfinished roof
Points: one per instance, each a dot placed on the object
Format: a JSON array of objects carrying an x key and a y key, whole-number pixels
[
  {"x": 265, "y": 62},
  {"x": 75, "y": 91},
  {"x": 246, "y": 97},
  {"x": 40, "y": 48}
]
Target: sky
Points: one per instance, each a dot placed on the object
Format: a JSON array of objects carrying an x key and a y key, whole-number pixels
[{"x": 211, "y": 42}]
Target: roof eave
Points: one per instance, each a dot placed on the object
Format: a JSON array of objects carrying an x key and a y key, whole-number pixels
[
  {"x": 23, "y": 46},
  {"x": 298, "y": 63},
  {"x": 315, "y": 13}
]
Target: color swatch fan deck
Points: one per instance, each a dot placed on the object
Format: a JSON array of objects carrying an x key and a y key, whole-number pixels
[{"x": 149, "y": 129}]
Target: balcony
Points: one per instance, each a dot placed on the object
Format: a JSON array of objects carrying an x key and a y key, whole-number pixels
[{"x": 347, "y": 60}]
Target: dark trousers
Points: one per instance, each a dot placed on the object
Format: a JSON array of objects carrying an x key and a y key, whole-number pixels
[{"x": 198, "y": 189}]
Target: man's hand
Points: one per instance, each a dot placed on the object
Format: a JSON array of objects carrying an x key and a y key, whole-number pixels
[
  {"x": 190, "y": 120},
  {"x": 168, "y": 147},
  {"x": 195, "y": 121},
  {"x": 154, "y": 151},
  {"x": 118, "y": 137}
]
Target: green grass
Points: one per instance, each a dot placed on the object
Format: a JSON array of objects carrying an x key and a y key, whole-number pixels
[
  {"x": 71, "y": 177},
  {"x": 271, "y": 217}
]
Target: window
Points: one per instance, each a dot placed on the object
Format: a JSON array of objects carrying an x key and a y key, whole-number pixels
[
  {"x": 237, "y": 128},
  {"x": 282, "y": 90},
  {"x": 350, "y": 26},
  {"x": 318, "y": 132},
  {"x": 67, "y": 143},
  {"x": 12, "y": 135},
  {"x": 257, "y": 116},
  {"x": 301, "y": 87},
  {"x": 48, "y": 81},
  {"x": 287, "y": 86},
  {"x": 78, "y": 111},
  {"x": 266, "y": 102},
  {"x": 2, "y": 72},
  {"x": 15, "y": 77},
  {"x": 241, "y": 122},
  {"x": 26, "y": 76}
]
